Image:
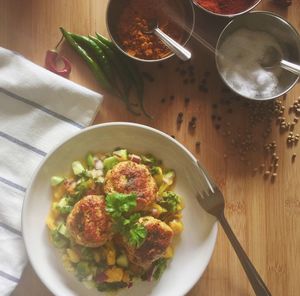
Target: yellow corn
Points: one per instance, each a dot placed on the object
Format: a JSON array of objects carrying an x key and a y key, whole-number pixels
[
  {"x": 159, "y": 209},
  {"x": 176, "y": 226},
  {"x": 51, "y": 221},
  {"x": 111, "y": 256},
  {"x": 114, "y": 274},
  {"x": 58, "y": 193},
  {"x": 169, "y": 253},
  {"x": 73, "y": 256},
  {"x": 126, "y": 277}
]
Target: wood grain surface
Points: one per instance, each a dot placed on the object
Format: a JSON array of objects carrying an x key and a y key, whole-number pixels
[{"x": 265, "y": 215}]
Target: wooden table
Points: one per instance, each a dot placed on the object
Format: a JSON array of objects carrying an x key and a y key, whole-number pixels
[{"x": 265, "y": 215}]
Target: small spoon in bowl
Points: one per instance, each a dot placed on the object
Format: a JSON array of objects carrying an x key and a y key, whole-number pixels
[
  {"x": 273, "y": 58},
  {"x": 174, "y": 46}
]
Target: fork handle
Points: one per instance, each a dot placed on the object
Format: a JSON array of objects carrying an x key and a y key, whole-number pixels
[{"x": 257, "y": 283}]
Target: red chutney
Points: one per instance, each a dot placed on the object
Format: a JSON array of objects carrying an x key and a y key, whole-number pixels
[{"x": 226, "y": 6}]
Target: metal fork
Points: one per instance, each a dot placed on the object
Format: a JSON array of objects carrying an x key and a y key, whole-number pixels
[{"x": 213, "y": 203}]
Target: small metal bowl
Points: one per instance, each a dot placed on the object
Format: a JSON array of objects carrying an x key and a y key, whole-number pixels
[
  {"x": 114, "y": 9},
  {"x": 283, "y": 32},
  {"x": 227, "y": 15}
]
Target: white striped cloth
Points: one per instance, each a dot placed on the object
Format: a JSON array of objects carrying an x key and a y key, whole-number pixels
[{"x": 38, "y": 109}]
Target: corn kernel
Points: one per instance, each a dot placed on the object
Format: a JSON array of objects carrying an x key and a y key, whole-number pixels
[
  {"x": 51, "y": 222},
  {"x": 169, "y": 253},
  {"x": 176, "y": 226},
  {"x": 111, "y": 257},
  {"x": 159, "y": 209},
  {"x": 114, "y": 274},
  {"x": 73, "y": 256}
]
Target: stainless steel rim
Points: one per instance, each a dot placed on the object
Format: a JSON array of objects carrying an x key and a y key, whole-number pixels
[
  {"x": 156, "y": 60},
  {"x": 218, "y": 67}
]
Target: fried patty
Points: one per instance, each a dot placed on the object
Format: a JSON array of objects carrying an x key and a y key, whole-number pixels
[
  {"x": 88, "y": 222},
  {"x": 130, "y": 177},
  {"x": 159, "y": 238}
]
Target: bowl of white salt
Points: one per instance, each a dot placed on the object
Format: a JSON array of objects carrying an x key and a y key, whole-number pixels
[{"x": 242, "y": 47}]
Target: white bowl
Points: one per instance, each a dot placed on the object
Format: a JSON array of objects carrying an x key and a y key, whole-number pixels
[{"x": 196, "y": 243}]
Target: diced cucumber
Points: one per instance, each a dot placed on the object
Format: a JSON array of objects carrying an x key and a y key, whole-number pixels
[
  {"x": 149, "y": 159},
  {"x": 83, "y": 269},
  {"x": 87, "y": 253},
  {"x": 109, "y": 163},
  {"x": 167, "y": 181},
  {"x": 122, "y": 260},
  {"x": 62, "y": 229},
  {"x": 77, "y": 168},
  {"x": 90, "y": 161},
  {"x": 58, "y": 240},
  {"x": 63, "y": 206},
  {"x": 89, "y": 284},
  {"x": 56, "y": 180},
  {"x": 121, "y": 154}
]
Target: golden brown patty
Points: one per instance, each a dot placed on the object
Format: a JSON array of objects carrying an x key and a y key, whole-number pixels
[
  {"x": 159, "y": 237},
  {"x": 130, "y": 177},
  {"x": 88, "y": 222}
]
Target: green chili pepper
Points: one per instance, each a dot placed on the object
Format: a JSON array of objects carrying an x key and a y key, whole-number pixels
[
  {"x": 132, "y": 72},
  {"x": 120, "y": 71},
  {"x": 114, "y": 59},
  {"x": 95, "y": 51},
  {"x": 99, "y": 75}
]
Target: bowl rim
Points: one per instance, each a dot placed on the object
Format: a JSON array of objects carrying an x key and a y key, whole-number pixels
[
  {"x": 260, "y": 12},
  {"x": 227, "y": 15},
  {"x": 214, "y": 229},
  {"x": 191, "y": 30}
]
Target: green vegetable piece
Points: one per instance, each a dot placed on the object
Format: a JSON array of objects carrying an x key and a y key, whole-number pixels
[
  {"x": 109, "y": 163},
  {"x": 119, "y": 203},
  {"x": 121, "y": 154},
  {"x": 160, "y": 267},
  {"x": 137, "y": 235},
  {"x": 63, "y": 206},
  {"x": 132, "y": 72},
  {"x": 122, "y": 261},
  {"x": 111, "y": 286},
  {"x": 58, "y": 240},
  {"x": 86, "y": 253},
  {"x": 149, "y": 159},
  {"x": 83, "y": 269},
  {"x": 56, "y": 180},
  {"x": 157, "y": 174},
  {"x": 63, "y": 230},
  {"x": 90, "y": 161},
  {"x": 89, "y": 284},
  {"x": 168, "y": 180},
  {"x": 94, "y": 50},
  {"x": 77, "y": 168},
  {"x": 98, "y": 73},
  {"x": 170, "y": 201}
]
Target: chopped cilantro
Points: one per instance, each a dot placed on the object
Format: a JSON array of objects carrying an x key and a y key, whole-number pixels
[
  {"x": 169, "y": 200},
  {"x": 117, "y": 204},
  {"x": 160, "y": 266}
]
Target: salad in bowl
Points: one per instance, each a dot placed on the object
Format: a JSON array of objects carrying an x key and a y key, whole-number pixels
[{"x": 114, "y": 218}]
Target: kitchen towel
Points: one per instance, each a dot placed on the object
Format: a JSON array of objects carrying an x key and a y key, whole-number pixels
[{"x": 38, "y": 109}]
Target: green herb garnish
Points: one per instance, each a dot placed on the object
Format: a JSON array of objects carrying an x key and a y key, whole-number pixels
[
  {"x": 117, "y": 205},
  {"x": 160, "y": 266},
  {"x": 170, "y": 201}
]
